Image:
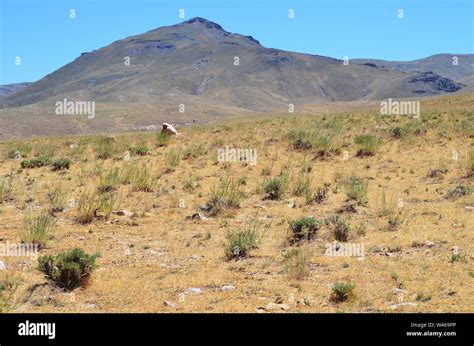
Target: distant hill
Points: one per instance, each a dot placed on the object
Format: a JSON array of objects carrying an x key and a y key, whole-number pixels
[
  {"x": 9, "y": 89},
  {"x": 215, "y": 73}
]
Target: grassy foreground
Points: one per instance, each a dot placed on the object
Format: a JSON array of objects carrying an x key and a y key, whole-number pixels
[{"x": 173, "y": 229}]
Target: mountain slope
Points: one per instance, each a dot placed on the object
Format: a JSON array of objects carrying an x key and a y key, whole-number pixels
[{"x": 196, "y": 59}]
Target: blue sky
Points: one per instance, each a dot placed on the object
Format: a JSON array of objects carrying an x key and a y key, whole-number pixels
[{"x": 46, "y": 38}]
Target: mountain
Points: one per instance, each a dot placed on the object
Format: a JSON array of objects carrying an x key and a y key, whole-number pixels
[
  {"x": 213, "y": 73},
  {"x": 457, "y": 67},
  {"x": 9, "y": 89}
]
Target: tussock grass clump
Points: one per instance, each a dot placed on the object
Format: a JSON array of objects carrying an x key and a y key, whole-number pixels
[
  {"x": 458, "y": 191},
  {"x": 303, "y": 229},
  {"x": 395, "y": 221},
  {"x": 109, "y": 180},
  {"x": 46, "y": 150},
  {"x": 470, "y": 164},
  {"x": 140, "y": 150},
  {"x": 356, "y": 189},
  {"x": 302, "y": 139},
  {"x": 225, "y": 195},
  {"x": 368, "y": 145},
  {"x": 319, "y": 195},
  {"x": 37, "y": 230},
  {"x": 87, "y": 207},
  {"x": 408, "y": 130},
  {"x": 422, "y": 297},
  {"x": 240, "y": 243},
  {"x": 57, "y": 199},
  {"x": 143, "y": 179},
  {"x": 302, "y": 185},
  {"x": 162, "y": 139},
  {"x": 35, "y": 163},
  {"x": 296, "y": 263},
  {"x": 61, "y": 164},
  {"x": 275, "y": 188},
  {"x": 194, "y": 151},
  {"x": 23, "y": 148},
  {"x": 8, "y": 288},
  {"x": 68, "y": 269},
  {"x": 339, "y": 227},
  {"x": 105, "y": 147},
  {"x": 342, "y": 291},
  {"x": 173, "y": 158}
]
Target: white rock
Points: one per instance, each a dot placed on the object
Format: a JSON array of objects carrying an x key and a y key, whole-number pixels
[
  {"x": 227, "y": 288},
  {"x": 194, "y": 290},
  {"x": 2, "y": 266},
  {"x": 169, "y": 129},
  {"x": 126, "y": 156},
  {"x": 168, "y": 303}
]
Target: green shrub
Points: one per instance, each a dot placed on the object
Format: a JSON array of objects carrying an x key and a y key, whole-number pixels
[
  {"x": 239, "y": 244},
  {"x": 68, "y": 269},
  {"x": 275, "y": 188},
  {"x": 35, "y": 163},
  {"x": 61, "y": 164},
  {"x": 368, "y": 145},
  {"x": 342, "y": 291},
  {"x": 356, "y": 189},
  {"x": 37, "y": 229},
  {"x": 304, "y": 228},
  {"x": 339, "y": 227}
]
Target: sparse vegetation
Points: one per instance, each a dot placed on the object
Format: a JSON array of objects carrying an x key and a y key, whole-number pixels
[
  {"x": 303, "y": 229},
  {"x": 339, "y": 227},
  {"x": 68, "y": 269},
  {"x": 35, "y": 163},
  {"x": 61, "y": 164},
  {"x": 240, "y": 243},
  {"x": 275, "y": 188},
  {"x": 37, "y": 229},
  {"x": 368, "y": 145},
  {"x": 296, "y": 263},
  {"x": 342, "y": 291},
  {"x": 356, "y": 189}
]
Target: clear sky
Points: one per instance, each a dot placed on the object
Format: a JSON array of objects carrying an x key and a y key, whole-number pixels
[{"x": 44, "y": 36}]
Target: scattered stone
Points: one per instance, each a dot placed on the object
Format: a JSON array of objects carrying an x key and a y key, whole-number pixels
[
  {"x": 227, "y": 288},
  {"x": 196, "y": 216},
  {"x": 274, "y": 307},
  {"x": 18, "y": 155},
  {"x": 395, "y": 306},
  {"x": 122, "y": 213},
  {"x": 72, "y": 203},
  {"x": 194, "y": 257},
  {"x": 291, "y": 203},
  {"x": 73, "y": 146},
  {"x": 205, "y": 207},
  {"x": 468, "y": 207},
  {"x": 169, "y": 129},
  {"x": 456, "y": 250},
  {"x": 396, "y": 290},
  {"x": 429, "y": 243},
  {"x": 194, "y": 290},
  {"x": 2, "y": 266},
  {"x": 168, "y": 303},
  {"x": 126, "y": 156},
  {"x": 128, "y": 252}
]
